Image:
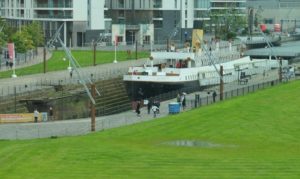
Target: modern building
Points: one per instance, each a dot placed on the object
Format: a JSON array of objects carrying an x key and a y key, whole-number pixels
[
  {"x": 271, "y": 12},
  {"x": 73, "y": 14},
  {"x": 125, "y": 21}
]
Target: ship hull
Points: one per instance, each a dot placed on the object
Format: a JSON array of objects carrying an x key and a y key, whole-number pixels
[{"x": 146, "y": 90}]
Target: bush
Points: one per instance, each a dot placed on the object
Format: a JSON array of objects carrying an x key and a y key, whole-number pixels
[{"x": 231, "y": 35}]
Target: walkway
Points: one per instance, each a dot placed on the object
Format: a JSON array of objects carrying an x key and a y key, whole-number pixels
[
  {"x": 83, "y": 126},
  {"x": 39, "y": 81},
  {"x": 37, "y": 59}
]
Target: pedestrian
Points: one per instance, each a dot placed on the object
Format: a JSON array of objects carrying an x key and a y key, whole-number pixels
[
  {"x": 138, "y": 108},
  {"x": 214, "y": 95},
  {"x": 157, "y": 104},
  {"x": 50, "y": 113},
  {"x": 155, "y": 110},
  {"x": 71, "y": 73},
  {"x": 36, "y": 115},
  {"x": 178, "y": 98},
  {"x": 11, "y": 64},
  {"x": 183, "y": 101},
  {"x": 149, "y": 105},
  {"x": 7, "y": 63}
]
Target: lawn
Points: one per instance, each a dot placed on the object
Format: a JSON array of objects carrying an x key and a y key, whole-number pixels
[
  {"x": 84, "y": 58},
  {"x": 253, "y": 136}
]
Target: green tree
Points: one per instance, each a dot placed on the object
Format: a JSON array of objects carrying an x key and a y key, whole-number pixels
[
  {"x": 3, "y": 38},
  {"x": 228, "y": 22},
  {"x": 35, "y": 33},
  {"x": 23, "y": 41}
]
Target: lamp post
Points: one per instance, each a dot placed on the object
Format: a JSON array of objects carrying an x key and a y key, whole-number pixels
[
  {"x": 93, "y": 108},
  {"x": 136, "y": 49},
  {"x": 44, "y": 59},
  {"x": 221, "y": 83},
  {"x": 116, "y": 43}
]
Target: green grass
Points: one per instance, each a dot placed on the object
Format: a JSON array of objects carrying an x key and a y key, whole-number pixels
[
  {"x": 84, "y": 58},
  {"x": 263, "y": 127}
]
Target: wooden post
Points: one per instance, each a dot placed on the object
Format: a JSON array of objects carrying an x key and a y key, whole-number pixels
[
  {"x": 167, "y": 44},
  {"x": 280, "y": 70},
  {"x": 93, "y": 109},
  {"x": 136, "y": 49},
  {"x": 45, "y": 62},
  {"x": 94, "y": 45},
  {"x": 221, "y": 83},
  {"x": 15, "y": 93}
]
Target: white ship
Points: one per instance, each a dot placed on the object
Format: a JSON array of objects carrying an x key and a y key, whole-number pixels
[{"x": 166, "y": 71}]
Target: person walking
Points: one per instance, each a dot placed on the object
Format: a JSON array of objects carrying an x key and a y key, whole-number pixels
[
  {"x": 149, "y": 105},
  {"x": 36, "y": 115},
  {"x": 71, "y": 73},
  {"x": 178, "y": 98},
  {"x": 51, "y": 113},
  {"x": 157, "y": 104},
  {"x": 155, "y": 110},
  {"x": 183, "y": 101},
  {"x": 138, "y": 108},
  {"x": 214, "y": 95}
]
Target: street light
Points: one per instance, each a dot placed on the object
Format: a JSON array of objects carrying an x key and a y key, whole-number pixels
[{"x": 69, "y": 67}]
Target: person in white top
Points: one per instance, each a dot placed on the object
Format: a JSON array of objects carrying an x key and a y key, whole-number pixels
[
  {"x": 155, "y": 110},
  {"x": 36, "y": 115}
]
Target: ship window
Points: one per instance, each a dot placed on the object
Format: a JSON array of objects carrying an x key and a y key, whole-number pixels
[{"x": 203, "y": 75}]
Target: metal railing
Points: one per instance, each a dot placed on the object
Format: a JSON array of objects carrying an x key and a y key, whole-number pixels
[{"x": 21, "y": 58}]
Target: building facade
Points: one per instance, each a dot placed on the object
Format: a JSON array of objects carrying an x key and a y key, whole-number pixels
[
  {"x": 125, "y": 21},
  {"x": 271, "y": 12}
]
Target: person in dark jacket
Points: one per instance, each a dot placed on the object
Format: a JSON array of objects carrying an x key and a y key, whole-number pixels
[
  {"x": 214, "y": 95},
  {"x": 149, "y": 105},
  {"x": 138, "y": 109}
]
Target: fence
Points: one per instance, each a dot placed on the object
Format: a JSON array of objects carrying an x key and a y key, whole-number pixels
[
  {"x": 24, "y": 88},
  {"x": 199, "y": 101},
  {"x": 206, "y": 97},
  {"x": 21, "y": 58},
  {"x": 83, "y": 126}
]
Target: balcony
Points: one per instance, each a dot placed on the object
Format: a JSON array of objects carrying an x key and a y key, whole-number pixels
[
  {"x": 52, "y": 4},
  {"x": 41, "y": 14},
  {"x": 53, "y": 17}
]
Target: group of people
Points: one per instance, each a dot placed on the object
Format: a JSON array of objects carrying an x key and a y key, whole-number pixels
[
  {"x": 36, "y": 114},
  {"x": 9, "y": 64},
  {"x": 152, "y": 105}
]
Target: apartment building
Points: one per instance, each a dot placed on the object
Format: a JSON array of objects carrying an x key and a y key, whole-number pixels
[
  {"x": 73, "y": 14},
  {"x": 125, "y": 21}
]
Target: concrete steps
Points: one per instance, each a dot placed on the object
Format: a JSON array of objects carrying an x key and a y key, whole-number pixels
[{"x": 113, "y": 99}]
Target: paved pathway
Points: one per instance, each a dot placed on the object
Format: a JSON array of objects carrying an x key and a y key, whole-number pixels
[
  {"x": 39, "y": 81},
  {"x": 36, "y": 59},
  {"x": 83, "y": 126}
]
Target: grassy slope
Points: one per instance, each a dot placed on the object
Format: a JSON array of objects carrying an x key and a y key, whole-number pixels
[
  {"x": 84, "y": 58},
  {"x": 264, "y": 127}
]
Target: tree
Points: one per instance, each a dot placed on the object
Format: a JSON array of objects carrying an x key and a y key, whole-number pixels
[
  {"x": 23, "y": 41},
  {"x": 227, "y": 22},
  {"x": 3, "y": 38},
  {"x": 35, "y": 33}
]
